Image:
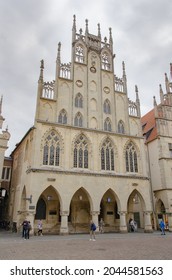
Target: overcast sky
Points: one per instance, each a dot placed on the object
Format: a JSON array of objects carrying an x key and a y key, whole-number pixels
[{"x": 31, "y": 29}]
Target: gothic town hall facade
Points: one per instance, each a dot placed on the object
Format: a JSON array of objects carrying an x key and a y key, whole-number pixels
[{"x": 84, "y": 158}]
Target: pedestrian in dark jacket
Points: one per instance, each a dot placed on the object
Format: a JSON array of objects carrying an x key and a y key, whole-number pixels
[
  {"x": 92, "y": 231},
  {"x": 25, "y": 229}
]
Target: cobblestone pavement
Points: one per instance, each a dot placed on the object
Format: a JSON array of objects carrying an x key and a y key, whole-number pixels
[{"x": 114, "y": 246}]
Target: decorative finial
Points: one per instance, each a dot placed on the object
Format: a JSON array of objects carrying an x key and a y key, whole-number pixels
[
  {"x": 161, "y": 93},
  {"x": 58, "y": 52},
  {"x": 74, "y": 23},
  {"x": 110, "y": 35},
  {"x": 137, "y": 93},
  {"x": 170, "y": 72},
  {"x": 41, "y": 70},
  {"x": 99, "y": 34},
  {"x": 123, "y": 68},
  {"x": 86, "y": 28},
  {"x": 154, "y": 101}
]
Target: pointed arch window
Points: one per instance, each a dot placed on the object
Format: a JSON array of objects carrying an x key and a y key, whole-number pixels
[
  {"x": 107, "y": 156},
  {"x": 107, "y": 125},
  {"x": 79, "y": 54},
  {"x": 105, "y": 61},
  {"x": 78, "y": 120},
  {"x": 121, "y": 127},
  {"x": 131, "y": 158},
  {"x": 80, "y": 159},
  {"x": 79, "y": 101},
  {"x": 51, "y": 150},
  {"x": 106, "y": 107},
  {"x": 62, "y": 117}
]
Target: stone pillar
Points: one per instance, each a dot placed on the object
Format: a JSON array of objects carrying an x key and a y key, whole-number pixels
[
  {"x": 170, "y": 222},
  {"x": 123, "y": 224},
  {"x": 148, "y": 225},
  {"x": 94, "y": 215},
  {"x": 64, "y": 222}
]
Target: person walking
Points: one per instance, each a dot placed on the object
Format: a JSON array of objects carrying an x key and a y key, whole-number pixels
[
  {"x": 162, "y": 227},
  {"x": 101, "y": 225},
  {"x": 29, "y": 229},
  {"x": 92, "y": 231},
  {"x": 40, "y": 227},
  {"x": 131, "y": 225},
  {"x": 25, "y": 229}
]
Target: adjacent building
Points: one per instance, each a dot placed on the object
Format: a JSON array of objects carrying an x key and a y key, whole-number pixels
[{"x": 157, "y": 130}]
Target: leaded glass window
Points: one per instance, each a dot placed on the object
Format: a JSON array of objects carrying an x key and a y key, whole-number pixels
[
  {"x": 121, "y": 127},
  {"x": 131, "y": 158},
  {"x": 78, "y": 120},
  {"x": 62, "y": 117},
  {"x": 107, "y": 125},
  {"x": 80, "y": 158},
  {"x": 107, "y": 156},
  {"x": 51, "y": 150},
  {"x": 107, "y": 107},
  {"x": 79, "y": 101}
]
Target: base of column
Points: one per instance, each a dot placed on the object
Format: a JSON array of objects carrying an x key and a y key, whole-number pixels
[
  {"x": 148, "y": 231},
  {"x": 64, "y": 231},
  {"x": 123, "y": 230}
]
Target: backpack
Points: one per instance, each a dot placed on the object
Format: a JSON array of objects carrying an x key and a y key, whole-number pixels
[{"x": 93, "y": 227}]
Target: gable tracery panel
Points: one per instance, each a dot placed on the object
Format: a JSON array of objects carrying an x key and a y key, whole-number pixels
[
  {"x": 107, "y": 156},
  {"x": 80, "y": 153},
  {"x": 79, "y": 53},
  {"x": 131, "y": 158},
  {"x": 105, "y": 59},
  {"x": 51, "y": 149}
]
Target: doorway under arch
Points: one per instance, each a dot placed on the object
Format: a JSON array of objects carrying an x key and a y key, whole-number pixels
[
  {"x": 79, "y": 216},
  {"x": 136, "y": 207},
  {"x": 109, "y": 212},
  {"x": 48, "y": 210},
  {"x": 161, "y": 213}
]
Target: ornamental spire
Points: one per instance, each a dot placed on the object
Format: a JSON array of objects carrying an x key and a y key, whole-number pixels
[
  {"x": 86, "y": 26},
  {"x": 74, "y": 29},
  {"x": 99, "y": 33},
  {"x": 41, "y": 71}
]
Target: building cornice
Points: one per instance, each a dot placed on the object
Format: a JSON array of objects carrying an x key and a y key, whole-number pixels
[
  {"x": 112, "y": 133},
  {"x": 85, "y": 173}
]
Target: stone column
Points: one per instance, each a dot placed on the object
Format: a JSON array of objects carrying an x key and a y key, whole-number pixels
[
  {"x": 170, "y": 222},
  {"x": 94, "y": 215},
  {"x": 64, "y": 222},
  {"x": 148, "y": 225},
  {"x": 123, "y": 224}
]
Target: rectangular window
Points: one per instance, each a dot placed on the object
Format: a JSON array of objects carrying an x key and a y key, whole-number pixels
[{"x": 6, "y": 172}]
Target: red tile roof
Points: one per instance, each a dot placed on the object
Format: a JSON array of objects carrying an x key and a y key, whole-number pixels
[{"x": 149, "y": 126}]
